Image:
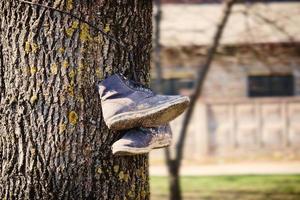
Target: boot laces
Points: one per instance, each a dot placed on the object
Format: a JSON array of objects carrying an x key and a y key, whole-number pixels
[{"x": 135, "y": 85}]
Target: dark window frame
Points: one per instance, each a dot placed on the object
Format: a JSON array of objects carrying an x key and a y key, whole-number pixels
[{"x": 270, "y": 85}]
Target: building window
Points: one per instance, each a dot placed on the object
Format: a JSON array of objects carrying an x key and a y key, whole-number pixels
[
  {"x": 273, "y": 85},
  {"x": 174, "y": 86}
]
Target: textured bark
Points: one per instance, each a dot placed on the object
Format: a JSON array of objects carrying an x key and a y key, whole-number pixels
[
  {"x": 53, "y": 141},
  {"x": 157, "y": 45}
]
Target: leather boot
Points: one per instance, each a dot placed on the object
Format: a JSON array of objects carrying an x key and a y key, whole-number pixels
[
  {"x": 143, "y": 140},
  {"x": 126, "y": 104}
]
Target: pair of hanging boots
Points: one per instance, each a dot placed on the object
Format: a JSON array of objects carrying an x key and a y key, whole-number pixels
[{"x": 127, "y": 105}]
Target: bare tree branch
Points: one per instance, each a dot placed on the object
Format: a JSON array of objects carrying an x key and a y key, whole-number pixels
[
  {"x": 201, "y": 77},
  {"x": 276, "y": 26}
]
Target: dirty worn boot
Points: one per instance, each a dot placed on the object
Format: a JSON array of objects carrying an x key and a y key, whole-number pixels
[
  {"x": 143, "y": 140},
  {"x": 126, "y": 104}
]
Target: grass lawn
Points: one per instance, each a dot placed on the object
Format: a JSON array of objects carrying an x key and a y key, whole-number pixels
[{"x": 260, "y": 187}]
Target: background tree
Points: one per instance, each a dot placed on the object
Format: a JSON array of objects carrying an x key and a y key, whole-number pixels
[
  {"x": 53, "y": 142},
  {"x": 174, "y": 163}
]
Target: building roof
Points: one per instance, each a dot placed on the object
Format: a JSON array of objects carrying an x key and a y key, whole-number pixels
[{"x": 195, "y": 24}]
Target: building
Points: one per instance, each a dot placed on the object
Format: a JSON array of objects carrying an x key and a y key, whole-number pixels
[{"x": 250, "y": 104}]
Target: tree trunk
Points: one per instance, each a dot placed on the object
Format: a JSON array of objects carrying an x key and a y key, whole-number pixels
[
  {"x": 53, "y": 142},
  {"x": 174, "y": 181},
  {"x": 157, "y": 49}
]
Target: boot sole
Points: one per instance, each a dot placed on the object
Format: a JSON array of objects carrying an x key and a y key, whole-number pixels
[
  {"x": 150, "y": 117},
  {"x": 129, "y": 151}
]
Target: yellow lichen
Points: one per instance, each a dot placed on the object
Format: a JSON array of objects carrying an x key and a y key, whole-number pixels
[
  {"x": 130, "y": 194},
  {"x": 62, "y": 127},
  {"x": 72, "y": 74},
  {"x": 121, "y": 175},
  {"x": 81, "y": 66},
  {"x": 71, "y": 90},
  {"x": 70, "y": 31},
  {"x": 34, "y": 47},
  {"x": 69, "y": 4},
  {"x": 27, "y": 47},
  {"x": 99, "y": 170},
  {"x": 99, "y": 73},
  {"x": 65, "y": 64},
  {"x": 53, "y": 69},
  {"x": 73, "y": 118},
  {"x": 126, "y": 177},
  {"x": 33, "y": 98},
  {"x": 116, "y": 168},
  {"x": 106, "y": 28},
  {"x": 85, "y": 32},
  {"x": 143, "y": 194},
  {"x": 61, "y": 50},
  {"x": 33, "y": 70},
  {"x": 75, "y": 24}
]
